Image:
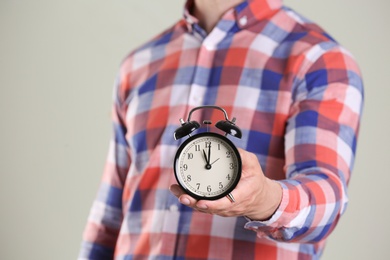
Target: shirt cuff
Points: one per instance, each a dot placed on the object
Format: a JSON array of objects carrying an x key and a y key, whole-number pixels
[{"x": 282, "y": 218}]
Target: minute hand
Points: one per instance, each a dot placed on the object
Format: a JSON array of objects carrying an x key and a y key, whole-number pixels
[{"x": 208, "y": 158}]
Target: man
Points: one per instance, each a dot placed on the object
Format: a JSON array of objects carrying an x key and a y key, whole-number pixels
[{"x": 297, "y": 96}]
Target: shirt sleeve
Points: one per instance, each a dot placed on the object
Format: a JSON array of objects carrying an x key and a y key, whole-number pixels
[
  {"x": 320, "y": 146},
  {"x": 105, "y": 218}
]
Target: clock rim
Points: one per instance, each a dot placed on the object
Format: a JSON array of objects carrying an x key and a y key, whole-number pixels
[{"x": 235, "y": 150}]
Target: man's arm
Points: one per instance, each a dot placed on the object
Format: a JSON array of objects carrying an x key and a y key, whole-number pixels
[
  {"x": 320, "y": 144},
  {"x": 105, "y": 218}
]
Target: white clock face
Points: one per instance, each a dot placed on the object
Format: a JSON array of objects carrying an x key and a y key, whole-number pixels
[{"x": 207, "y": 166}]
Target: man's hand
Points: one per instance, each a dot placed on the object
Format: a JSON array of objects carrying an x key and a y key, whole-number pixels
[{"x": 257, "y": 197}]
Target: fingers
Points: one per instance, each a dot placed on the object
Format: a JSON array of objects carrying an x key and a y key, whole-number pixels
[
  {"x": 183, "y": 197},
  {"x": 250, "y": 163},
  {"x": 244, "y": 194},
  {"x": 249, "y": 194},
  {"x": 223, "y": 206},
  {"x": 176, "y": 190}
]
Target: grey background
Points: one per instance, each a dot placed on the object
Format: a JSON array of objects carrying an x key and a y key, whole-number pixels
[{"x": 58, "y": 62}]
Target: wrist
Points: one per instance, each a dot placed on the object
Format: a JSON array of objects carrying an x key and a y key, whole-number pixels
[{"x": 272, "y": 197}]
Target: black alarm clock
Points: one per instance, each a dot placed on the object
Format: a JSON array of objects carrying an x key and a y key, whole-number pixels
[{"x": 207, "y": 165}]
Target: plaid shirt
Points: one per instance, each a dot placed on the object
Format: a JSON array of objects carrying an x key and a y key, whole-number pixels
[{"x": 297, "y": 96}]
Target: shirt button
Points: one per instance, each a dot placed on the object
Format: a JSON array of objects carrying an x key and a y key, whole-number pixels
[
  {"x": 243, "y": 20},
  {"x": 174, "y": 208},
  {"x": 197, "y": 99}
]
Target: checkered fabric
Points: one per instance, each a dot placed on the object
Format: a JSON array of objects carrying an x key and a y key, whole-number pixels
[{"x": 297, "y": 96}]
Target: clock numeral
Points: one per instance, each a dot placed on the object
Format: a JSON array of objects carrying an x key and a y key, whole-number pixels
[
  {"x": 185, "y": 167},
  {"x": 228, "y": 177},
  {"x": 209, "y": 188},
  {"x": 219, "y": 147},
  {"x": 231, "y": 166},
  {"x": 228, "y": 154},
  {"x": 189, "y": 178},
  {"x": 208, "y": 144},
  {"x": 220, "y": 185},
  {"x": 197, "y": 147},
  {"x": 190, "y": 156},
  {"x": 198, "y": 186}
]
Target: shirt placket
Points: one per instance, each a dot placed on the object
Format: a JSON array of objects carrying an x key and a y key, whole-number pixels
[
  {"x": 203, "y": 67},
  {"x": 175, "y": 221}
]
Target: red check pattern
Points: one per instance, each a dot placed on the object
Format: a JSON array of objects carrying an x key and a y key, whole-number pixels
[{"x": 297, "y": 96}]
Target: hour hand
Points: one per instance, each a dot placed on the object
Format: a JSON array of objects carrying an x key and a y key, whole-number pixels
[
  {"x": 214, "y": 161},
  {"x": 205, "y": 156}
]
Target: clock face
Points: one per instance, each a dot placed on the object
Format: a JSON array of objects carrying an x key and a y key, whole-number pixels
[{"x": 207, "y": 166}]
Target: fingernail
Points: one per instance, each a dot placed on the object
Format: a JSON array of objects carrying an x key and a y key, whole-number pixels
[
  {"x": 202, "y": 206},
  {"x": 184, "y": 201},
  {"x": 174, "y": 191}
]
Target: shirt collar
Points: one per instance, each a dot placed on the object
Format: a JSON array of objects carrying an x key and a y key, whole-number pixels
[{"x": 246, "y": 13}]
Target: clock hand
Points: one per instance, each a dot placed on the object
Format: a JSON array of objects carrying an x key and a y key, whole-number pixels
[
  {"x": 214, "y": 161},
  {"x": 208, "y": 158},
  {"x": 208, "y": 165},
  {"x": 205, "y": 157}
]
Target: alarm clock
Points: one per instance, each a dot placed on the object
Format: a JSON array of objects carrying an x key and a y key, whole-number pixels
[{"x": 207, "y": 165}]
